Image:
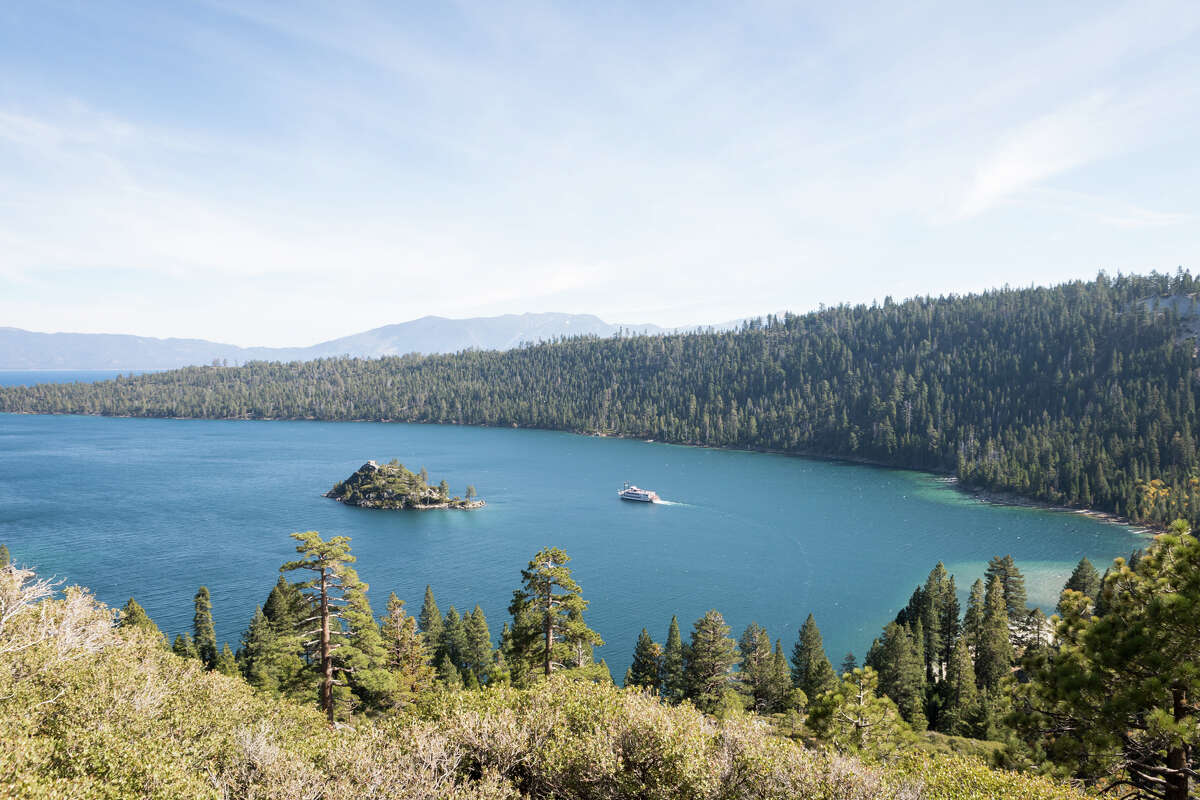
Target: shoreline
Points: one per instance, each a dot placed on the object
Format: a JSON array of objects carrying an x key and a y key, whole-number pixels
[
  {"x": 991, "y": 497},
  {"x": 998, "y": 498},
  {"x": 466, "y": 505}
]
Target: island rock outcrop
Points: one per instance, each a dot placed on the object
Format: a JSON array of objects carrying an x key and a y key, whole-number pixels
[{"x": 391, "y": 486}]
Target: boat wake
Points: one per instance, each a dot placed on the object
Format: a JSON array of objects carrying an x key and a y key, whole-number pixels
[{"x": 661, "y": 502}]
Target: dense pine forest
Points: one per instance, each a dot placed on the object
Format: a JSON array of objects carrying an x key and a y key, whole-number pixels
[{"x": 1081, "y": 394}]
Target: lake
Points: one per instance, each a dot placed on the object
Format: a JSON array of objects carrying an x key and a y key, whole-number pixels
[
  {"x": 155, "y": 508},
  {"x": 29, "y": 377}
]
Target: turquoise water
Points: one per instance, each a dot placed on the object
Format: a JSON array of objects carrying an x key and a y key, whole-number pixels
[
  {"x": 28, "y": 377},
  {"x": 155, "y": 508}
]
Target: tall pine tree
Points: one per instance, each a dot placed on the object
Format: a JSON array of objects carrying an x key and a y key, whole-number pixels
[
  {"x": 960, "y": 691},
  {"x": 1013, "y": 583},
  {"x": 202, "y": 629},
  {"x": 711, "y": 655},
  {"x": 645, "y": 670},
  {"x": 548, "y": 631},
  {"x": 755, "y": 666},
  {"x": 329, "y": 588},
  {"x": 431, "y": 625},
  {"x": 994, "y": 658},
  {"x": 902, "y": 673},
  {"x": 811, "y": 671},
  {"x": 972, "y": 627},
  {"x": 672, "y": 682},
  {"x": 405, "y": 655},
  {"x": 1084, "y": 579},
  {"x": 478, "y": 653}
]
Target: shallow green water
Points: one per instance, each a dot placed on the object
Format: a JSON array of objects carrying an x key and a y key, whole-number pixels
[{"x": 155, "y": 508}]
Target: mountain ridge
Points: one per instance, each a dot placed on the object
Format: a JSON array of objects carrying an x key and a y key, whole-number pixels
[{"x": 32, "y": 350}]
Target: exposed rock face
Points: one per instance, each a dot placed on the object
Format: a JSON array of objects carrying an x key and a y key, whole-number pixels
[{"x": 391, "y": 486}]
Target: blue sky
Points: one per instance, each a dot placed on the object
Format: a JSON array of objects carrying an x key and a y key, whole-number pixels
[{"x": 284, "y": 173}]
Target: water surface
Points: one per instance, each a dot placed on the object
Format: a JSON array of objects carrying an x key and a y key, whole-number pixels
[
  {"x": 29, "y": 377},
  {"x": 155, "y": 508}
]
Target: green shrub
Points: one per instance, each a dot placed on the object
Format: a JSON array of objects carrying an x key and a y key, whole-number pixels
[{"x": 91, "y": 711}]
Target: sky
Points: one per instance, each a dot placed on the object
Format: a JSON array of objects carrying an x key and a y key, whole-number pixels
[{"x": 286, "y": 173}]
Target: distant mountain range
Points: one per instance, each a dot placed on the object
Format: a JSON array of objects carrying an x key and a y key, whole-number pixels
[{"x": 21, "y": 349}]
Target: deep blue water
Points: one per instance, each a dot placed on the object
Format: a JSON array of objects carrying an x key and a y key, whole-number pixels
[
  {"x": 28, "y": 377},
  {"x": 155, "y": 508}
]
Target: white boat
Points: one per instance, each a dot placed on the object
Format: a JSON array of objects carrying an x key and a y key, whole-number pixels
[{"x": 630, "y": 492}]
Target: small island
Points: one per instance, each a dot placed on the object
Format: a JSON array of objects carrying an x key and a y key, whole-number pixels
[{"x": 391, "y": 486}]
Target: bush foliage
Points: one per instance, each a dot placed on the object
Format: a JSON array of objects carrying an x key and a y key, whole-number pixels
[{"x": 92, "y": 710}]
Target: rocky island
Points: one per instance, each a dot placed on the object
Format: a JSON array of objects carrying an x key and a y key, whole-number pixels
[{"x": 391, "y": 486}]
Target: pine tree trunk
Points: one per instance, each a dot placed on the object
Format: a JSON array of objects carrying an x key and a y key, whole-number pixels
[{"x": 326, "y": 654}]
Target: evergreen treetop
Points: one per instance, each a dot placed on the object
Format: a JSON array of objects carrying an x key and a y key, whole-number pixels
[
  {"x": 133, "y": 616},
  {"x": 710, "y": 658},
  {"x": 645, "y": 671},
  {"x": 811, "y": 670},
  {"x": 672, "y": 681},
  {"x": 203, "y": 634}
]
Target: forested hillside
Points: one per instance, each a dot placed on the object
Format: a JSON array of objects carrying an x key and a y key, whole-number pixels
[
  {"x": 93, "y": 704},
  {"x": 1080, "y": 394}
]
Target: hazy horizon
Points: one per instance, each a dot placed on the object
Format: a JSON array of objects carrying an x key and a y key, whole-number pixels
[{"x": 266, "y": 175}]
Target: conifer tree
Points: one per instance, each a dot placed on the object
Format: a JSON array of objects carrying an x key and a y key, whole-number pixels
[
  {"x": 361, "y": 655},
  {"x": 515, "y": 640},
  {"x": 811, "y": 671},
  {"x": 405, "y": 655},
  {"x": 133, "y": 616},
  {"x": 755, "y": 666},
  {"x": 500, "y": 674},
  {"x": 1037, "y": 632},
  {"x": 849, "y": 664},
  {"x": 779, "y": 682},
  {"x": 226, "y": 661},
  {"x": 269, "y": 659},
  {"x": 951, "y": 626},
  {"x": 993, "y": 660},
  {"x": 1084, "y": 579},
  {"x": 5, "y": 558},
  {"x": 902, "y": 673},
  {"x": 203, "y": 634},
  {"x": 184, "y": 646},
  {"x": 672, "y": 681},
  {"x": 431, "y": 626},
  {"x": 286, "y": 607},
  {"x": 647, "y": 664},
  {"x": 711, "y": 655},
  {"x": 548, "y": 627},
  {"x": 271, "y": 653},
  {"x": 853, "y": 718},
  {"x": 1013, "y": 583},
  {"x": 933, "y": 618},
  {"x": 478, "y": 653},
  {"x": 449, "y": 674},
  {"x": 332, "y": 588},
  {"x": 972, "y": 627},
  {"x": 960, "y": 691},
  {"x": 1118, "y": 702},
  {"x": 454, "y": 638}
]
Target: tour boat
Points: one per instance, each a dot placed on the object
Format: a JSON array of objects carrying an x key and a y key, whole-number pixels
[{"x": 640, "y": 495}]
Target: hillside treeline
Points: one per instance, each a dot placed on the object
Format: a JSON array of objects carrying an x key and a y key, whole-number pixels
[
  {"x": 93, "y": 704},
  {"x": 1081, "y": 394}
]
